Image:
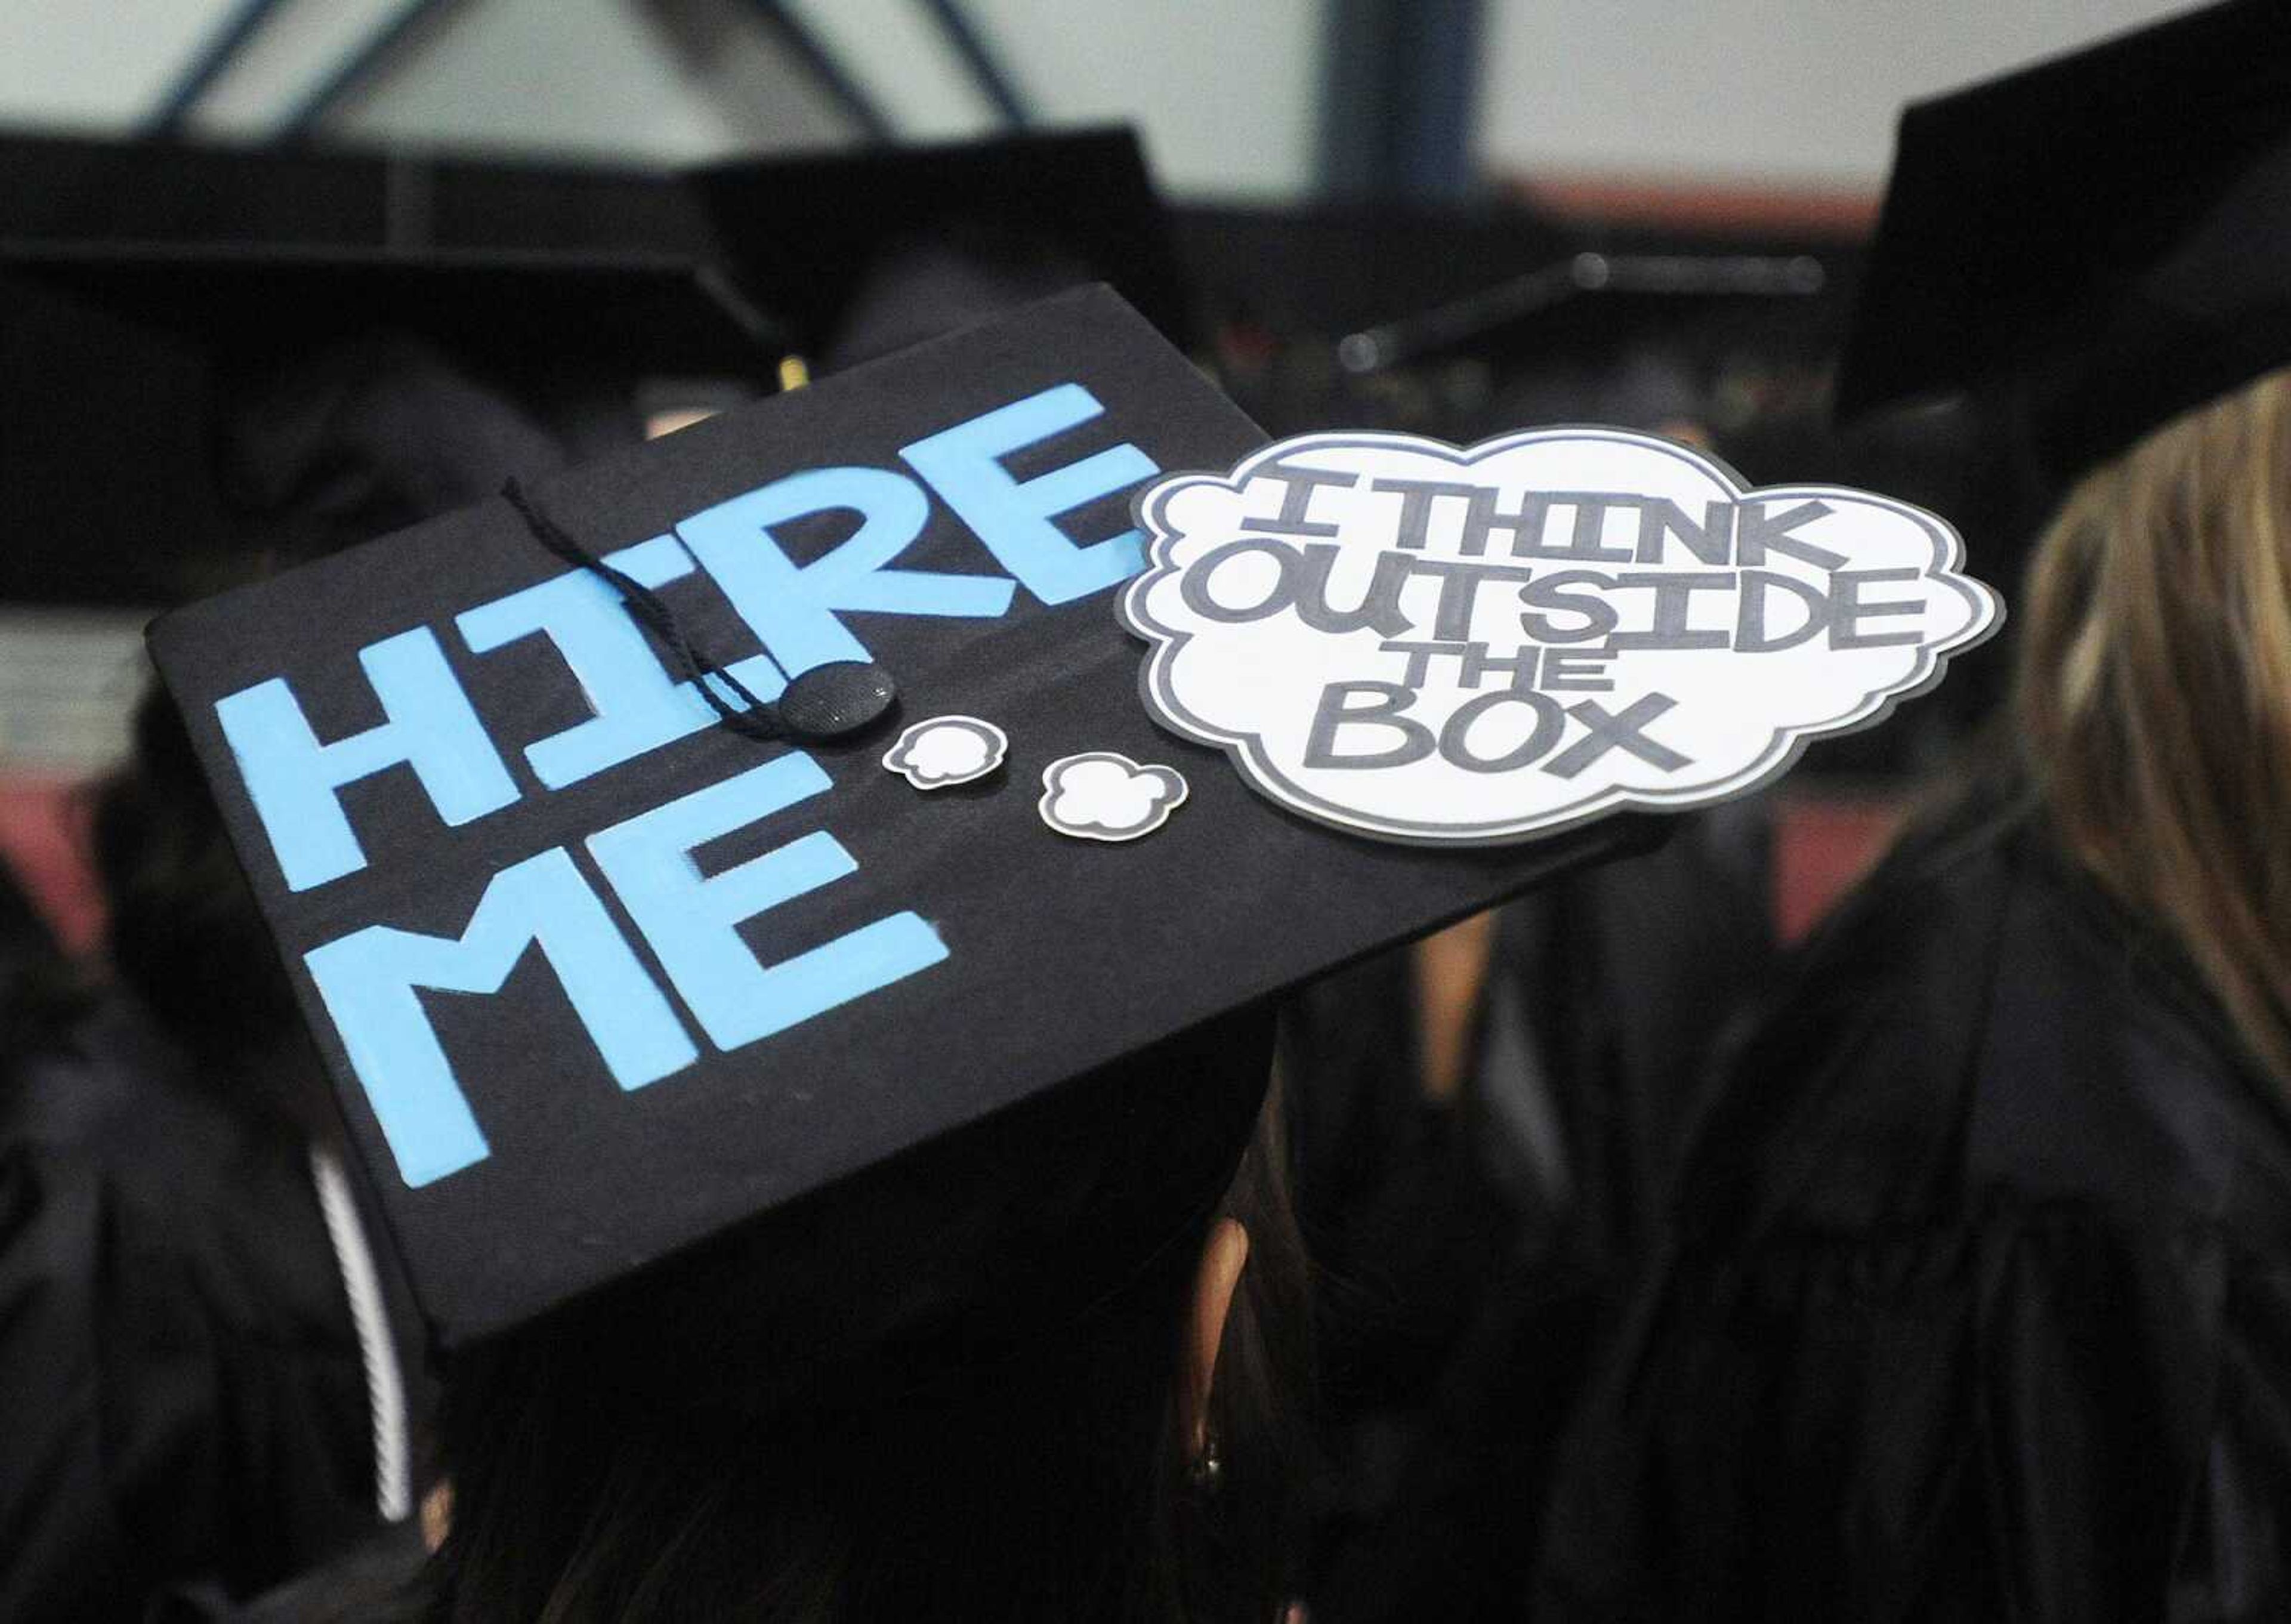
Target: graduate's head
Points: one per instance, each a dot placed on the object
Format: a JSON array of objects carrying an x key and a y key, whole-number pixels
[
  {"x": 333, "y": 396},
  {"x": 1049, "y": 1367},
  {"x": 814, "y": 1164},
  {"x": 2154, "y": 691},
  {"x": 310, "y": 453}
]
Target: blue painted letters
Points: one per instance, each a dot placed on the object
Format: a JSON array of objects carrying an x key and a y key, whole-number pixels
[
  {"x": 793, "y": 607},
  {"x": 691, "y": 921},
  {"x": 293, "y": 778},
  {"x": 369, "y": 980},
  {"x": 637, "y": 707},
  {"x": 1013, "y": 517}
]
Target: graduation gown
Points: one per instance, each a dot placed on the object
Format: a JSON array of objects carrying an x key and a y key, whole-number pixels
[
  {"x": 182, "y": 1395},
  {"x": 1977, "y": 1300},
  {"x": 1500, "y": 1236}
]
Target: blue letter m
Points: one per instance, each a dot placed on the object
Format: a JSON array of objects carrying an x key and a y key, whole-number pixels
[{"x": 370, "y": 978}]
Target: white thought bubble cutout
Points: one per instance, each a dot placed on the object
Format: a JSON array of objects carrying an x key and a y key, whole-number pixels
[
  {"x": 1805, "y": 698},
  {"x": 943, "y": 751},
  {"x": 1104, "y": 795}
]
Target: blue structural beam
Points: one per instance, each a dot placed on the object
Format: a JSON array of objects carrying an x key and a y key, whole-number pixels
[
  {"x": 987, "y": 70},
  {"x": 360, "y": 65},
  {"x": 1399, "y": 98},
  {"x": 210, "y": 63},
  {"x": 825, "y": 68}
]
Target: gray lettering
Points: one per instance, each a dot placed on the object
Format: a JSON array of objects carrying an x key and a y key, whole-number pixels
[
  {"x": 1755, "y": 534},
  {"x": 1455, "y": 744},
  {"x": 1387, "y": 701},
  {"x": 1625, "y": 730},
  {"x": 1579, "y": 670},
  {"x": 1297, "y": 498},
  {"x": 1750, "y": 635},
  {"x": 1674, "y": 594},
  {"x": 1848, "y": 610},
  {"x": 1194, "y": 582},
  {"x": 1550, "y": 592}
]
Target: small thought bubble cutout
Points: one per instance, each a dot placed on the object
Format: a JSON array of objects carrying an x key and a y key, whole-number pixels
[
  {"x": 947, "y": 750},
  {"x": 1100, "y": 795}
]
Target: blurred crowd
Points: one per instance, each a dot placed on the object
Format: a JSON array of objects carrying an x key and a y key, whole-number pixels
[{"x": 1868, "y": 1199}]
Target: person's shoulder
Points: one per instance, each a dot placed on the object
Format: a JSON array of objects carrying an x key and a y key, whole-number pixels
[
  {"x": 1840, "y": 1109},
  {"x": 84, "y": 1119},
  {"x": 377, "y": 1582},
  {"x": 1981, "y": 1029},
  {"x": 110, "y": 1076},
  {"x": 2110, "y": 1077},
  {"x": 121, "y": 1161}
]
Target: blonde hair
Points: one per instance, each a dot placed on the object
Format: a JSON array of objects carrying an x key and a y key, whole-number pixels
[{"x": 2154, "y": 694}]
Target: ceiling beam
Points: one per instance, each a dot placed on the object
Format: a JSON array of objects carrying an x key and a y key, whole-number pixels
[
  {"x": 825, "y": 67},
  {"x": 964, "y": 37},
  {"x": 209, "y": 63},
  {"x": 359, "y": 67}
]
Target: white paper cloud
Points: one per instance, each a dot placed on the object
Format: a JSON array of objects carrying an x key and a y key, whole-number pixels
[
  {"x": 1426, "y": 643},
  {"x": 1099, "y": 795},
  {"x": 945, "y": 750}
]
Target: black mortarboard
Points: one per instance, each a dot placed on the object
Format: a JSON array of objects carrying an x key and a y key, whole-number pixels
[
  {"x": 2106, "y": 235},
  {"x": 631, "y": 314},
  {"x": 79, "y": 190},
  {"x": 860, "y": 250},
  {"x": 160, "y": 406},
  {"x": 765, "y": 964},
  {"x": 1595, "y": 303}
]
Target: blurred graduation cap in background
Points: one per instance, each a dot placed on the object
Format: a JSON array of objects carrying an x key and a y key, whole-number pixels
[
  {"x": 2100, "y": 241},
  {"x": 863, "y": 252},
  {"x": 1694, "y": 345},
  {"x": 167, "y": 412},
  {"x": 79, "y": 190},
  {"x": 1587, "y": 301},
  {"x": 783, "y": 1000}
]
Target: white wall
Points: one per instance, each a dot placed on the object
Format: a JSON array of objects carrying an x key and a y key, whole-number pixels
[
  {"x": 1790, "y": 91},
  {"x": 1225, "y": 89},
  {"x": 74, "y": 65},
  {"x": 1773, "y": 90},
  {"x": 586, "y": 78},
  {"x": 1224, "y": 92}
]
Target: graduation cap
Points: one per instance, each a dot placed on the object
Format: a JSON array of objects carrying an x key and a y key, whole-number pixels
[
  {"x": 629, "y": 313},
  {"x": 2106, "y": 235},
  {"x": 162, "y": 407},
  {"x": 605, "y": 967},
  {"x": 861, "y": 252}
]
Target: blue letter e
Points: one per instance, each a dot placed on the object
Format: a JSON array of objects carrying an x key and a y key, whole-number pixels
[
  {"x": 692, "y": 920},
  {"x": 1012, "y": 516}
]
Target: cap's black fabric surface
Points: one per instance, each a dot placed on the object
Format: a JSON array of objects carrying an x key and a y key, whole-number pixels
[
  {"x": 530, "y": 311},
  {"x": 1062, "y": 955}
]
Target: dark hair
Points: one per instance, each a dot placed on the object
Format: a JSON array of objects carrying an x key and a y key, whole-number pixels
[
  {"x": 185, "y": 935},
  {"x": 311, "y": 454},
  {"x": 889, "y": 1430},
  {"x": 36, "y": 983}
]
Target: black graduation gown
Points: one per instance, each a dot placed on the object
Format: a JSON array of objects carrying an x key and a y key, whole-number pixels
[
  {"x": 182, "y": 1395},
  {"x": 1978, "y": 1300},
  {"x": 1503, "y": 1234},
  {"x": 32, "y": 968}
]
